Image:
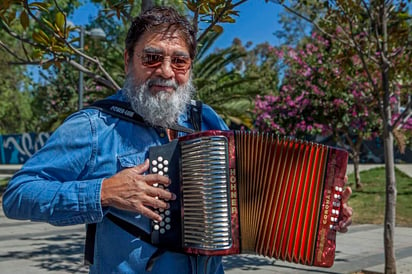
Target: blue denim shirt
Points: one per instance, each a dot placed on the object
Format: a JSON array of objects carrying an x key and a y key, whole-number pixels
[{"x": 61, "y": 185}]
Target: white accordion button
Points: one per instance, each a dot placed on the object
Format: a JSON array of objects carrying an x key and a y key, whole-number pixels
[
  {"x": 166, "y": 169},
  {"x": 162, "y": 231},
  {"x": 160, "y": 165},
  {"x": 154, "y": 163},
  {"x": 156, "y": 227},
  {"x": 167, "y": 227},
  {"x": 154, "y": 169},
  {"x": 160, "y": 173},
  {"x": 160, "y": 159},
  {"x": 166, "y": 162}
]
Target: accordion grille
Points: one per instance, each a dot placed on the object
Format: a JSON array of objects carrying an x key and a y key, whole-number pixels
[{"x": 205, "y": 199}]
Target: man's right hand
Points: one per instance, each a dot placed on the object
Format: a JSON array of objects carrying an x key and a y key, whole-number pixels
[{"x": 132, "y": 190}]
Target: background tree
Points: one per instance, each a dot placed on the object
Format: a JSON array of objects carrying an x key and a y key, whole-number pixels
[
  {"x": 324, "y": 92},
  {"x": 15, "y": 111},
  {"x": 49, "y": 40},
  {"x": 229, "y": 79},
  {"x": 378, "y": 31}
]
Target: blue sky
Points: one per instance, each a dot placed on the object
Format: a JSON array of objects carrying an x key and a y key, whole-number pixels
[{"x": 257, "y": 22}]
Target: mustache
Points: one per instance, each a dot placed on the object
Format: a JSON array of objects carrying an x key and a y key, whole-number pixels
[{"x": 162, "y": 82}]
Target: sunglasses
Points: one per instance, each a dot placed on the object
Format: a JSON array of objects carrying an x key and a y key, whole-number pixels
[{"x": 179, "y": 63}]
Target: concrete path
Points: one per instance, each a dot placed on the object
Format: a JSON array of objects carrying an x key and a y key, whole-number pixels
[
  {"x": 405, "y": 168},
  {"x": 34, "y": 248},
  {"x": 29, "y": 247}
]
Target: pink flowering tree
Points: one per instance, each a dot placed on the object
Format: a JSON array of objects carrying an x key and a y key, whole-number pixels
[
  {"x": 325, "y": 92},
  {"x": 378, "y": 32}
]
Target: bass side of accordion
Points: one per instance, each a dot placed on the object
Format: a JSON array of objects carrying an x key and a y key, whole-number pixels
[{"x": 248, "y": 192}]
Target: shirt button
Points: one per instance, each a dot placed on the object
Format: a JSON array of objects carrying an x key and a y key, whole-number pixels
[{"x": 162, "y": 134}]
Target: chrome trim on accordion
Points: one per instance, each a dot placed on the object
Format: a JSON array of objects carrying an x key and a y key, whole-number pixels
[{"x": 205, "y": 194}]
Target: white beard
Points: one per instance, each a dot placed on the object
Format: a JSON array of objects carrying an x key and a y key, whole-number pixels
[{"x": 160, "y": 109}]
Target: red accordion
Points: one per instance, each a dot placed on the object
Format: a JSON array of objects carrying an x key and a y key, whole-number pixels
[{"x": 247, "y": 192}]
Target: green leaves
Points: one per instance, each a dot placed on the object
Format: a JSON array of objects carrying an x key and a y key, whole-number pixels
[
  {"x": 40, "y": 6},
  {"x": 24, "y": 19},
  {"x": 60, "y": 23},
  {"x": 41, "y": 37}
]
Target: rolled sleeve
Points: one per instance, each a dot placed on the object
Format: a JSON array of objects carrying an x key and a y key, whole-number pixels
[{"x": 53, "y": 185}]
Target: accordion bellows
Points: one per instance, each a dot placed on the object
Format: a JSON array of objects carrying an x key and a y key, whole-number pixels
[{"x": 247, "y": 192}]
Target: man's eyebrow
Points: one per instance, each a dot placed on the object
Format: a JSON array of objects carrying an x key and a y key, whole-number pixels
[
  {"x": 181, "y": 53},
  {"x": 153, "y": 50},
  {"x": 160, "y": 51}
]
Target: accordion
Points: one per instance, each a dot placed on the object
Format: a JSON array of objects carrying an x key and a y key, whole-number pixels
[{"x": 248, "y": 192}]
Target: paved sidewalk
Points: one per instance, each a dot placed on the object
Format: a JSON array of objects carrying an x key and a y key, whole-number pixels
[
  {"x": 34, "y": 248},
  {"x": 361, "y": 249},
  {"x": 405, "y": 168}
]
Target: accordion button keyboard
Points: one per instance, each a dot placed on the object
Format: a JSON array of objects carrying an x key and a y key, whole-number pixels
[
  {"x": 164, "y": 160},
  {"x": 336, "y": 203},
  {"x": 160, "y": 166}
]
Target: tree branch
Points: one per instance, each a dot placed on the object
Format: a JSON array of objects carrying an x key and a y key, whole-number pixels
[
  {"x": 12, "y": 53},
  {"x": 215, "y": 19},
  {"x": 405, "y": 115}
]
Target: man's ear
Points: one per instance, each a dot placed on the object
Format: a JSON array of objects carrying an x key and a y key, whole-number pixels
[{"x": 126, "y": 61}]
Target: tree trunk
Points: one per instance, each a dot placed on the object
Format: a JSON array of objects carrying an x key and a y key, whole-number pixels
[
  {"x": 390, "y": 205},
  {"x": 355, "y": 145},
  {"x": 356, "y": 171}
]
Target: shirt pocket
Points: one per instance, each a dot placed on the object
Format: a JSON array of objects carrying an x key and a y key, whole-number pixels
[{"x": 130, "y": 159}]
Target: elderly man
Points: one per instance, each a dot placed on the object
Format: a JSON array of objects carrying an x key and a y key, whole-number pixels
[{"x": 95, "y": 164}]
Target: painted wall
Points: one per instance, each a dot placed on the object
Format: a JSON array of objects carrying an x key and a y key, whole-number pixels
[{"x": 17, "y": 148}]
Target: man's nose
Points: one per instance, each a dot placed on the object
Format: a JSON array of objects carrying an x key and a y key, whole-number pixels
[{"x": 165, "y": 69}]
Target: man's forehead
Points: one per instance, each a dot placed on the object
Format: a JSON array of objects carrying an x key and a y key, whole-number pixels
[
  {"x": 165, "y": 33},
  {"x": 153, "y": 39}
]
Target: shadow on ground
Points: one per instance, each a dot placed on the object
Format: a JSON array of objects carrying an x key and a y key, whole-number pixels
[
  {"x": 256, "y": 263},
  {"x": 57, "y": 253}
]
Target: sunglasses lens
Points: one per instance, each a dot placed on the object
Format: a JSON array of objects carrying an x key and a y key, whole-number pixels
[
  {"x": 152, "y": 60},
  {"x": 178, "y": 63}
]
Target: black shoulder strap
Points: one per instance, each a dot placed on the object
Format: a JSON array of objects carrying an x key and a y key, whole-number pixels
[
  {"x": 124, "y": 111},
  {"x": 195, "y": 114},
  {"x": 118, "y": 109}
]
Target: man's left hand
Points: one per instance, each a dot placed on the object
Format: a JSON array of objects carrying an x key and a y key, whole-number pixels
[{"x": 345, "y": 219}]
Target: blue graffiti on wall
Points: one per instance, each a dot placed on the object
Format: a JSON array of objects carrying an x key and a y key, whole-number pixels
[{"x": 17, "y": 148}]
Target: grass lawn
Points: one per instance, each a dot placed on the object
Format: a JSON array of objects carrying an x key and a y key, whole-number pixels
[
  {"x": 3, "y": 184},
  {"x": 369, "y": 203}
]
